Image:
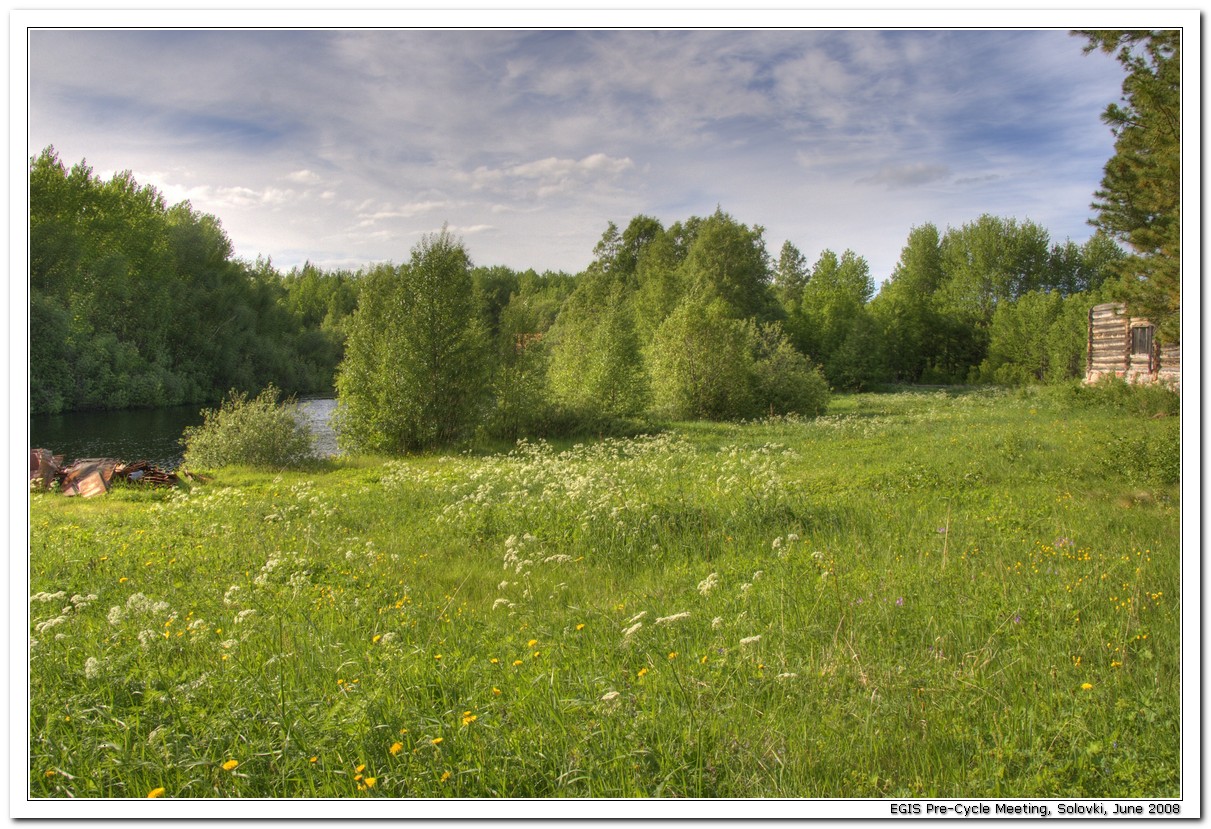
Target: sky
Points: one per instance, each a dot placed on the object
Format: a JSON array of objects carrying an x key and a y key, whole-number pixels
[{"x": 343, "y": 147}]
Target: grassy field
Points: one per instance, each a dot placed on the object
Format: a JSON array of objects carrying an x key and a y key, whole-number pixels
[{"x": 920, "y": 594}]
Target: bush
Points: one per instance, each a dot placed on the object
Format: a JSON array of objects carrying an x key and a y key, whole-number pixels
[
  {"x": 260, "y": 432},
  {"x": 785, "y": 380},
  {"x": 1143, "y": 399}
]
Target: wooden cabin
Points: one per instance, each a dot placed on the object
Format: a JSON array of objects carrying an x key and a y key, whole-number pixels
[{"x": 1126, "y": 347}]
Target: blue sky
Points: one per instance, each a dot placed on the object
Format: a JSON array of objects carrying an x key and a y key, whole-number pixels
[{"x": 343, "y": 147}]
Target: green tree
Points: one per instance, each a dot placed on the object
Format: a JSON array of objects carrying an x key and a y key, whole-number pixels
[
  {"x": 904, "y": 308},
  {"x": 834, "y": 300},
  {"x": 790, "y": 277},
  {"x": 414, "y": 367},
  {"x": 701, "y": 362},
  {"x": 1139, "y": 201},
  {"x": 596, "y": 370}
]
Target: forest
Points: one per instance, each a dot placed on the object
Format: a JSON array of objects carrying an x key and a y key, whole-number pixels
[{"x": 135, "y": 303}]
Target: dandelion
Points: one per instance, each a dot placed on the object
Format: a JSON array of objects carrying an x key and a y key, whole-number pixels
[
  {"x": 642, "y": 672},
  {"x": 361, "y": 768},
  {"x": 672, "y": 655},
  {"x": 580, "y": 626},
  {"x": 156, "y": 792},
  {"x": 517, "y": 662},
  {"x": 445, "y": 776},
  {"x": 469, "y": 718},
  {"x": 494, "y": 661},
  {"x": 230, "y": 765},
  {"x": 370, "y": 781},
  {"x": 1085, "y": 686},
  {"x": 313, "y": 759},
  {"x": 436, "y": 741},
  {"x": 396, "y": 748},
  {"x": 496, "y": 692}
]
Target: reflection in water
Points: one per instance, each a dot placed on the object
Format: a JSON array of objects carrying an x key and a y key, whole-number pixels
[{"x": 150, "y": 434}]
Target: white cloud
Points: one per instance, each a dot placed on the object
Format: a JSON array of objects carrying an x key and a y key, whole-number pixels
[{"x": 303, "y": 177}]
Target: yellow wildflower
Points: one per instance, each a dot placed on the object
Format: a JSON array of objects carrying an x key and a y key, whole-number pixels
[
  {"x": 445, "y": 776},
  {"x": 230, "y": 765},
  {"x": 469, "y": 718},
  {"x": 672, "y": 654},
  {"x": 531, "y": 643},
  {"x": 516, "y": 662},
  {"x": 642, "y": 671},
  {"x": 494, "y": 661},
  {"x": 437, "y": 740},
  {"x": 1086, "y": 687},
  {"x": 361, "y": 768},
  {"x": 314, "y": 760},
  {"x": 580, "y": 626},
  {"x": 396, "y": 748},
  {"x": 156, "y": 792},
  {"x": 496, "y": 692},
  {"x": 370, "y": 781}
]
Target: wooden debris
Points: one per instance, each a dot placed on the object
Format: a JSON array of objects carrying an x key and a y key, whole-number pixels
[{"x": 93, "y": 476}]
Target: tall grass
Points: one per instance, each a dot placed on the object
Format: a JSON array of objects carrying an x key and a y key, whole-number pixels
[{"x": 917, "y": 594}]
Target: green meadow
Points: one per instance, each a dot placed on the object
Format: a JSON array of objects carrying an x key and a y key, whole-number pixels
[{"x": 917, "y": 594}]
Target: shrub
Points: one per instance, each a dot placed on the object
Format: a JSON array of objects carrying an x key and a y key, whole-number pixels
[
  {"x": 785, "y": 380},
  {"x": 258, "y": 432},
  {"x": 1144, "y": 399}
]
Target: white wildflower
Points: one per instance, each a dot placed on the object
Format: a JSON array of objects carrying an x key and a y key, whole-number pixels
[
  {"x": 227, "y": 644},
  {"x": 716, "y": 623},
  {"x": 502, "y": 585},
  {"x": 744, "y": 588},
  {"x": 758, "y": 575},
  {"x": 230, "y": 596},
  {"x": 792, "y": 537},
  {"x": 92, "y": 668},
  {"x": 559, "y": 558},
  {"x": 787, "y": 676},
  {"x": 610, "y": 696},
  {"x": 676, "y": 617},
  {"x": 708, "y": 584},
  {"x": 42, "y": 627},
  {"x": 115, "y": 615},
  {"x": 750, "y": 640},
  {"x": 146, "y": 637},
  {"x": 626, "y": 634},
  {"x": 48, "y": 597},
  {"x": 242, "y": 615},
  {"x": 637, "y": 617},
  {"x": 499, "y": 602}
]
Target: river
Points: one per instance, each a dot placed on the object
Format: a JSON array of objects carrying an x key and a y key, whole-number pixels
[{"x": 151, "y": 434}]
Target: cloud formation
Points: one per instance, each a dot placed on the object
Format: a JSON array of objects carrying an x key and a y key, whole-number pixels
[{"x": 340, "y": 147}]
